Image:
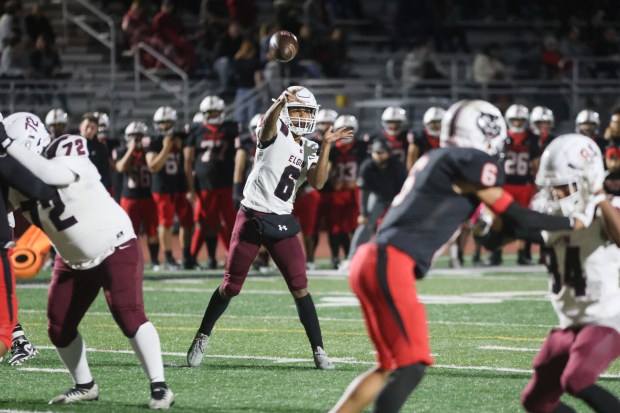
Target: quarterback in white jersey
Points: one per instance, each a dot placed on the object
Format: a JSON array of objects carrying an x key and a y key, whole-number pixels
[
  {"x": 584, "y": 268},
  {"x": 283, "y": 160},
  {"x": 97, "y": 248}
]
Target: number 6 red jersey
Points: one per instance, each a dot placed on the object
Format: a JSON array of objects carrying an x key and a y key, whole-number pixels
[
  {"x": 280, "y": 167},
  {"x": 83, "y": 221}
]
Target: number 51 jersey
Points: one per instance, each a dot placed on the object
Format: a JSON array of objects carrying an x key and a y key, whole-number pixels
[
  {"x": 83, "y": 221},
  {"x": 280, "y": 167}
]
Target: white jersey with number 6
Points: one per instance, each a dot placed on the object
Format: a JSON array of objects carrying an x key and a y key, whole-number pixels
[
  {"x": 280, "y": 167},
  {"x": 584, "y": 267},
  {"x": 84, "y": 222}
]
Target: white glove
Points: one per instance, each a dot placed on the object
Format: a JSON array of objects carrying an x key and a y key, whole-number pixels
[
  {"x": 482, "y": 225},
  {"x": 587, "y": 216}
]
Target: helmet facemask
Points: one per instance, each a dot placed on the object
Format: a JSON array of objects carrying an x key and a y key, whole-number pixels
[
  {"x": 574, "y": 199},
  {"x": 299, "y": 125}
]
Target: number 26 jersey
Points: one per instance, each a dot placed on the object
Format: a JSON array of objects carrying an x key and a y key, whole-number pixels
[
  {"x": 83, "y": 221},
  {"x": 280, "y": 167}
]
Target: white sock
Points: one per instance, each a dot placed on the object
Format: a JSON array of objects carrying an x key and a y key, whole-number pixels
[
  {"x": 74, "y": 357},
  {"x": 148, "y": 349},
  {"x": 454, "y": 251}
]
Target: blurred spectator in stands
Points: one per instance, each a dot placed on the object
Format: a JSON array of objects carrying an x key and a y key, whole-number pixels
[
  {"x": 419, "y": 64},
  {"x": 612, "y": 132},
  {"x": 214, "y": 21},
  {"x": 247, "y": 75},
  {"x": 243, "y": 12},
  {"x": 225, "y": 49},
  {"x": 136, "y": 25},
  {"x": 346, "y": 9},
  {"x": 333, "y": 55},
  {"x": 607, "y": 47},
  {"x": 264, "y": 35},
  {"x": 44, "y": 59},
  {"x": 10, "y": 22},
  {"x": 554, "y": 63},
  {"x": 287, "y": 14},
  {"x": 317, "y": 16},
  {"x": 488, "y": 65},
  {"x": 14, "y": 59},
  {"x": 37, "y": 24},
  {"x": 309, "y": 53},
  {"x": 572, "y": 45},
  {"x": 170, "y": 29}
]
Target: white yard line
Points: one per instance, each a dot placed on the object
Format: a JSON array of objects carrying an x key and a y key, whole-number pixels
[{"x": 505, "y": 348}]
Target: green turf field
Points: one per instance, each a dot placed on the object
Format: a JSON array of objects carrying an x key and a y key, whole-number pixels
[{"x": 485, "y": 329}]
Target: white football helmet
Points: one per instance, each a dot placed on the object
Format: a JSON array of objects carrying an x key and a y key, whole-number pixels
[
  {"x": 347, "y": 121},
  {"x": 135, "y": 128},
  {"x": 56, "y": 116},
  {"x": 575, "y": 161},
  {"x": 474, "y": 124},
  {"x": 541, "y": 114},
  {"x": 103, "y": 121},
  {"x": 254, "y": 122},
  {"x": 27, "y": 130},
  {"x": 164, "y": 114},
  {"x": 517, "y": 111},
  {"x": 587, "y": 122},
  {"x": 433, "y": 114},
  {"x": 213, "y": 103},
  {"x": 326, "y": 116},
  {"x": 300, "y": 126},
  {"x": 394, "y": 114},
  {"x": 198, "y": 117}
]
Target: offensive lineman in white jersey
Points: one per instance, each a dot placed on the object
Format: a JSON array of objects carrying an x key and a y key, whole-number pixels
[
  {"x": 283, "y": 160},
  {"x": 584, "y": 267},
  {"x": 97, "y": 248}
]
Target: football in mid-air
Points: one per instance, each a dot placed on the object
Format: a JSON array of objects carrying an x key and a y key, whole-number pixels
[{"x": 283, "y": 46}]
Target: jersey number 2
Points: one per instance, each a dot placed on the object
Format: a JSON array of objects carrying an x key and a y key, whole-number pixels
[
  {"x": 58, "y": 207},
  {"x": 286, "y": 186}
]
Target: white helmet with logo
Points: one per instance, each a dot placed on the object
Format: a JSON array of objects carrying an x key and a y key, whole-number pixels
[
  {"x": 56, "y": 116},
  {"x": 27, "y": 130},
  {"x": 590, "y": 118},
  {"x": 541, "y": 114},
  {"x": 517, "y": 111},
  {"x": 299, "y": 125},
  {"x": 474, "y": 124},
  {"x": 213, "y": 103},
  {"x": 394, "y": 114},
  {"x": 433, "y": 114},
  {"x": 165, "y": 114},
  {"x": 573, "y": 160},
  {"x": 103, "y": 121}
]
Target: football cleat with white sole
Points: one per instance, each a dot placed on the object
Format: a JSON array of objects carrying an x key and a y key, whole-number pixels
[
  {"x": 21, "y": 350},
  {"x": 321, "y": 360},
  {"x": 161, "y": 398},
  {"x": 197, "y": 350},
  {"x": 76, "y": 394}
]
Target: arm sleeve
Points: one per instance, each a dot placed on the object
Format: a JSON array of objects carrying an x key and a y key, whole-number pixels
[
  {"x": 49, "y": 172},
  {"x": 364, "y": 195},
  {"x": 526, "y": 219},
  {"x": 17, "y": 176}
]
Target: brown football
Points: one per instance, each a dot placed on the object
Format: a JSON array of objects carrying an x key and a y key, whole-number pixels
[{"x": 283, "y": 46}]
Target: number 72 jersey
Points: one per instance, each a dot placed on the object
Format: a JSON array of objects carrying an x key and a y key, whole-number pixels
[
  {"x": 584, "y": 268},
  {"x": 83, "y": 221}
]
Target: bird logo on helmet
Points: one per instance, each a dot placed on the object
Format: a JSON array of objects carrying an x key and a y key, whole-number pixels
[
  {"x": 300, "y": 125},
  {"x": 474, "y": 124},
  {"x": 27, "y": 130}
]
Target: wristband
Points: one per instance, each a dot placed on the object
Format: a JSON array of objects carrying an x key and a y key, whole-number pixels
[{"x": 502, "y": 203}]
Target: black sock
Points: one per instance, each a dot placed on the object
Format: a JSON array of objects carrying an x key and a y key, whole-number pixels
[
  {"x": 264, "y": 258},
  {"x": 334, "y": 245},
  {"x": 599, "y": 399},
  {"x": 310, "y": 320},
  {"x": 86, "y": 386},
  {"x": 398, "y": 386},
  {"x": 345, "y": 242},
  {"x": 154, "y": 252},
  {"x": 169, "y": 257},
  {"x": 215, "y": 309},
  {"x": 187, "y": 256},
  {"x": 527, "y": 248},
  {"x": 563, "y": 408},
  {"x": 18, "y": 328},
  {"x": 211, "y": 246}
]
